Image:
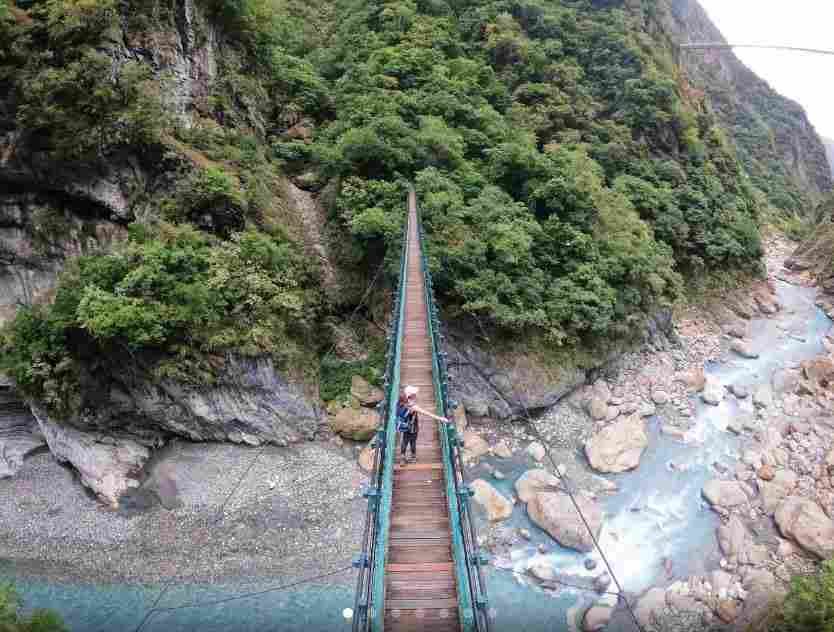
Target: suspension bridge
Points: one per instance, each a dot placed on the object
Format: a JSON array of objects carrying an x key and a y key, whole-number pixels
[{"x": 420, "y": 567}]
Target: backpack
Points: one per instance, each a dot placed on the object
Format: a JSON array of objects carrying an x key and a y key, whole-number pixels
[{"x": 404, "y": 419}]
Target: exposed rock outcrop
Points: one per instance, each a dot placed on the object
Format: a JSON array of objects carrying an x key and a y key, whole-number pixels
[
  {"x": 109, "y": 465},
  {"x": 502, "y": 385},
  {"x": 19, "y": 433}
]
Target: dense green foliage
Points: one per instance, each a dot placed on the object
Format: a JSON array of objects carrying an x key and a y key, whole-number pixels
[
  {"x": 568, "y": 181},
  {"x": 173, "y": 290},
  {"x": 809, "y": 606},
  {"x": 565, "y": 183},
  {"x": 12, "y": 621}
]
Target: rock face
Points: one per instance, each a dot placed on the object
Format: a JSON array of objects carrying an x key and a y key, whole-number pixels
[
  {"x": 618, "y": 447},
  {"x": 555, "y": 513},
  {"x": 534, "y": 481},
  {"x": 109, "y": 465},
  {"x": 19, "y": 433},
  {"x": 505, "y": 385},
  {"x": 805, "y": 522},
  {"x": 788, "y": 138},
  {"x": 496, "y": 506}
]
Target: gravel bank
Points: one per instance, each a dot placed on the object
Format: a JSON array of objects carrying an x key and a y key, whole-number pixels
[{"x": 298, "y": 512}]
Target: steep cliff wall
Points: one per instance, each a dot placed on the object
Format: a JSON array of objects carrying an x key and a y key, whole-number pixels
[
  {"x": 776, "y": 142},
  {"x": 829, "y": 149},
  {"x": 120, "y": 130}
]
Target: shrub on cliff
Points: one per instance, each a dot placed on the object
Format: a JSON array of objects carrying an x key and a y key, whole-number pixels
[
  {"x": 12, "y": 621},
  {"x": 174, "y": 291}
]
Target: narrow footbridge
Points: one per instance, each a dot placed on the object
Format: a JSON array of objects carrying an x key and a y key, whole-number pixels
[{"x": 420, "y": 568}]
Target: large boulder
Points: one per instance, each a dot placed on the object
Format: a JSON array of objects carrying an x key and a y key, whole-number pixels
[
  {"x": 713, "y": 392},
  {"x": 474, "y": 446},
  {"x": 597, "y": 618},
  {"x": 737, "y": 544},
  {"x": 109, "y": 465},
  {"x": 805, "y": 522},
  {"x": 534, "y": 481},
  {"x": 365, "y": 393},
  {"x": 724, "y": 493},
  {"x": 356, "y": 424},
  {"x": 744, "y": 348},
  {"x": 618, "y": 447},
  {"x": 555, "y": 513},
  {"x": 490, "y": 500}
]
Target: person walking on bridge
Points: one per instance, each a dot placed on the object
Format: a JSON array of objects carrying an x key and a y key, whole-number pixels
[{"x": 408, "y": 421}]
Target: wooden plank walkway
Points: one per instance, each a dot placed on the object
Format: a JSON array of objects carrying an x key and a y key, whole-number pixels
[{"x": 420, "y": 588}]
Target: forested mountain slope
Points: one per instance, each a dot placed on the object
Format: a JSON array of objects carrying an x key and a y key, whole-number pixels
[
  {"x": 776, "y": 142},
  {"x": 225, "y": 178}
]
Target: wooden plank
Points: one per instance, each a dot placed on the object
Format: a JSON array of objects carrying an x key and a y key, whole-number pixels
[{"x": 420, "y": 604}]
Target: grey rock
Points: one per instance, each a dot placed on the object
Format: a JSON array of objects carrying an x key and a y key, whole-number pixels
[
  {"x": 618, "y": 447},
  {"x": 534, "y": 481},
  {"x": 556, "y": 514},
  {"x": 744, "y": 349},
  {"x": 506, "y": 385},
  {"x": 807, "y": 524},
  {"x": 725, "y": 493},
  {"x": 777, "y": 489},
  {"x": 108, "y": 469}
]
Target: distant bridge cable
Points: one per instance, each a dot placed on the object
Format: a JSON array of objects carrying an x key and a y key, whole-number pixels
[{"x": 723, "y": 46}]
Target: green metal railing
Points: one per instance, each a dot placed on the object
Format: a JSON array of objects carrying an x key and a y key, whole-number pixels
[
  {"x": 369, "y": 606},
  {"x": 468, "y": 558}
]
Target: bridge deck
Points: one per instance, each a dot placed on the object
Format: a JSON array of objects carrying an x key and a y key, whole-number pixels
[{"x": 420, "y": 588}]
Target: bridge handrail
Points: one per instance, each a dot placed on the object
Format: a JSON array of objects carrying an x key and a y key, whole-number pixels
[
  {"x": 369, "y": 606},
  {"x": 472, "y": 593}
]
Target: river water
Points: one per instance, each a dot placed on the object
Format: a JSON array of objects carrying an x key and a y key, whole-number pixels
[{"x": 657, "y": 518}]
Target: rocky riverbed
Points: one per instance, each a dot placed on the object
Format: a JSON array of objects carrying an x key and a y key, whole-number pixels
[
  {"x": 701, "y": 461},
  {"x": 704, "y": 468}
]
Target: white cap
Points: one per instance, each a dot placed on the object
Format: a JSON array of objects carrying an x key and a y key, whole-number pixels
[{"x": 411, "y": 390}]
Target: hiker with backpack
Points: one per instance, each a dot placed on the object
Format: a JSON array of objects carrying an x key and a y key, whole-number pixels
[{"x": 408, "y": 421}]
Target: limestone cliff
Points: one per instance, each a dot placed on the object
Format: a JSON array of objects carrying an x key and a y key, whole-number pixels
[{"x": 775, "y": 140}]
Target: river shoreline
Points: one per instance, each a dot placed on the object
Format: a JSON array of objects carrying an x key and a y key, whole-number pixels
[{"x": 299, "y": 511}]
